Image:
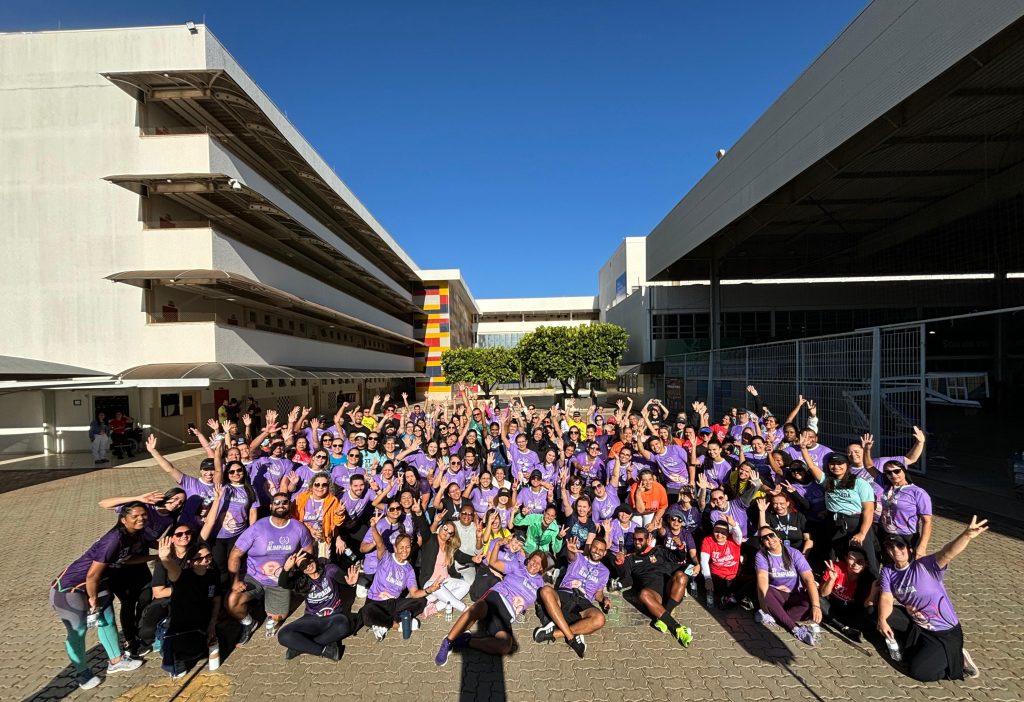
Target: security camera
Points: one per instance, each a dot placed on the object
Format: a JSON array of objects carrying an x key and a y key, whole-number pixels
[
  {"x": 235, "y": 185},
  {"x": 191, "y": 27}
]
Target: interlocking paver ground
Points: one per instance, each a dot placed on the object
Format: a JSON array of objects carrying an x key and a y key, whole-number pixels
[{"x": 45, "y": 526}]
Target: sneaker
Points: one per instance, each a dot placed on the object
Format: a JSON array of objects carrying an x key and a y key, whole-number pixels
[
  {"x": 729, "y": 601},
  {"x": 684, "y": 636},
  {"x": 360, "y": 592},
  {"x": 970, "y": 669},
  {"x": 430, "y": 610},
  {"x": 661, "y": 626},
  {"x": 709, "y": 599},
  {"x": 332, "y": 652},
  {"x": 405, "y": 619},
  {"x": 139, "y": 649},
  {"x": 445, "y": 650},
  {"x": 804, "y": 634},
  {"x": 178, "y": 676},
  {"x": 290, "y": 653},
  {"x": 379, "y": 632},
  {"x": 86, "y": 680},
  {"x": 615, "y": 585},
  {"x": 762, "y": 617},
  {"x": 247, "y": 631},
  {"x": 578, "y": 644},
  {"x": 815, "y": 630},
  {"x": 544, "y": 633},
  {"x": 126, "y": 664},
  {"x": 747, "y": 604}
]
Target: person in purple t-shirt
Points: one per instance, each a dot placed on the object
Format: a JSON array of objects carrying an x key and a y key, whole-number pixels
[
  {"x": 786, "y": 589},
  {"x": 906, "y": 508},
  {"x": 925, "y": 626},
  {"x": 265, "y": 546},
  {"x": 385, "y": 608},
  {"x": 268, "y": 472},
  {"x": 498, "y": 608},
  {"x": 198, "y": 491},
  {"x": 578, "y": 607},
  {"x": 323, "y": 624}
]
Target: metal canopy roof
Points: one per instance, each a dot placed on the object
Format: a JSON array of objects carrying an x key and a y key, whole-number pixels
[
  {"x": 244, "y": 214},
  {"x": 18, "y": 368},
  {"x": 223, "y": 372},
  {"x": 952, "y": 150},
  {"x": 213, "y": 101},
  {"x": 220, "y": 284}
]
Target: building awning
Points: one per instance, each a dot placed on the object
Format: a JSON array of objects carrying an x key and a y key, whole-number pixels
[
  {"x": 626, "y": 370},
  {"x": 242, "y": 213},
  {"x": 220, "y": 284},
  {"x": 211, "y": 101},
  {"x": 18, "y": 368},
  {"x": 223, "y": 372}
]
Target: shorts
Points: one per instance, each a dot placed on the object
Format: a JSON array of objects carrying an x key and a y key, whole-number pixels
[
  {"x": 651, "y": 582},
  {"x": 572, "y": 605},
  {"x": 276, "y": 600},
  {"x": 498, "y": 617}
]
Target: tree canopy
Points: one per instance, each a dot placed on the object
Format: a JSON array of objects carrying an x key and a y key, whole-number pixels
[
  {"x": 573, "y": 355},
  {"x": 485, "y": 367}
]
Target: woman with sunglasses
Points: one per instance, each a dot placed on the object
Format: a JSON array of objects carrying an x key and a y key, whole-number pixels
[
  {"x": 846, "y": 592},
  {"x": 925, "y": 628},
  {"x": 320, "y": 512},
  {"x": 198, "y": 491},
  {"x": 389, "y": 529},
  {"x": 440, "y": 557},
  {"x": 237, "y": 510},
  {"x": 342, "y": 473},
  {"x": 906, "y": 509},
  {"x": 81, "y": 597},
  {"x": 183, "y": 540},
  {"x": 323, "y": 624},
  {"x": 195, "y": 599},
  {"x": 482, "y": 492},
  {"x": 786, "y": 590}
]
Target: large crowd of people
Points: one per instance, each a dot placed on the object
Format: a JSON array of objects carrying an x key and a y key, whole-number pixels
[{"x": 477, "y": 511}]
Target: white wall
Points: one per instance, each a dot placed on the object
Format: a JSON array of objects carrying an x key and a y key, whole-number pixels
[
  {"x": 21, "y": 422},
  {"x": 580, "y": 303},
  {"x": 629, "y": 258},
  {"x": 259, "y": 347}
]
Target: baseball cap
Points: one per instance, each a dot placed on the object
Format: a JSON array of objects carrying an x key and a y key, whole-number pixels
[
  {"x": 898, "y": 539},
  {"x": 536, "y": 474},
  {"x": 360, "y": 435},
  {"x": 704, "y": 430},
  {"x": 622, "y": 509},
  {"x": 504, "y": 492},
  {"x": 207, "y": 464},
  {"x": 837, "y": 459}
]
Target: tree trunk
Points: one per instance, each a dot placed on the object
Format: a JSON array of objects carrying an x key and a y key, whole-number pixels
[
  {"x": 486, "y": 387},
  {"x": 565, "y": 386}
]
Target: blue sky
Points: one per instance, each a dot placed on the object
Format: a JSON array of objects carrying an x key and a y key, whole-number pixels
[{"x": 518, "y": 141}]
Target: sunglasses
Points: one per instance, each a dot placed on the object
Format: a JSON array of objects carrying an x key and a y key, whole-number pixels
[
  {"x": 394, "y": 509},
  {"x": 320, "y": 456},
  {"x": 675, "y": 519},
  {"x": 202, "y": 559},
  {"x": 894, "y": 471},
  {"x": 181, "y": 534},
  {"x": 320, "y": 484},
  {"x": 337, "y": 445},
  {"x": 465, "y": 514},
  {"x": 354, "y": 453},
  {"x": 277, "y": 503},
  {"x": 236, "y": 472},
  {"x": 769, "y": 537}
]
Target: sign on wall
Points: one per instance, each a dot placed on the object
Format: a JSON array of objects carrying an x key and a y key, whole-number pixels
[{"x": 620, "y": 287}]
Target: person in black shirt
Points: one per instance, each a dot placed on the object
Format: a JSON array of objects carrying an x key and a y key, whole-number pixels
[
  {"x": 195, "y": 603},
  {"x": 790, "y": 525},
  {"x": 660, "y": 584}
]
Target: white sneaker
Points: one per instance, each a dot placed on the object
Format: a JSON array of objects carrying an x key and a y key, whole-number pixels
[
  {"x": 360, "y": 592},
  {"x": 125, "y": 665},
  {"x": 379, "y": 632},
  {"x": 414, "y": 624},
  {"x": 970, "y": 669},
  {"x": 86, "y": 680}
]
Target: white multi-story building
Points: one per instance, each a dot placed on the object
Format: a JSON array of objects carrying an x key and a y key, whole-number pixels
[
  {"x": 504, "y": 321},
  {"x": 165, "y": 225}
]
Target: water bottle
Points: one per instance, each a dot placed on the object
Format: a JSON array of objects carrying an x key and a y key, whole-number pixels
[
  {"x": 894, "y": 650},
  {"x": 448, "y": 613},
  {"x": 158, "y": 641},
  {"x": 214, "y": 661}
]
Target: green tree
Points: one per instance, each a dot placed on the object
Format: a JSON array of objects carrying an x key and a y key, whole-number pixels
[
  {"x": 485, "y": 367},
  {"x": 573, "y": 355}
]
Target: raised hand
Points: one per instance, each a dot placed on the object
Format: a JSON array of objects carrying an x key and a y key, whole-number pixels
[
  {"x": 976, "y": 528},
  {"x": 246, "y": 419},
  {"x": 812, "y": 408},
  {"x": 151, "y": 498},
  {"x": 151, "y": 443},
  {"x": 868, "y": 440},
  {"x": 352, "y": 576},
  {"x": 752, "y": 390},
  {"x": 762, "y": 504},
  {"x": 918, "y": 435},
  {"x": 213, "y": 424},
  {"x": 271, "y": 417},
  {"x": 164, "y": 547},
  {"x": 405, "y": 397},
  {"x": 386, "y": 398}
]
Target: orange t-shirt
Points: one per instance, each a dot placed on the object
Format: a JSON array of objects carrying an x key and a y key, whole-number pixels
[{"x": 654, "y": 500}]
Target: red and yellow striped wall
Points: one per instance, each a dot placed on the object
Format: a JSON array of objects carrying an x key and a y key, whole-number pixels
[{"x": 435, "y": 332}]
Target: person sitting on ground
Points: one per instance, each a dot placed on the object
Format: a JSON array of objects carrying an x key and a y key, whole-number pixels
[
  {"x": 720, "y": 564},
  {"x": 786, "y": 590},
  {"x": 385, "y": 606},
  {"x": 660, "y": 583},
  {"x": 323, "y": 624},
  {"x": 195, "y": 605},
  {"x": 847, "y": 589},
  {"x": 578, "y": 607}
]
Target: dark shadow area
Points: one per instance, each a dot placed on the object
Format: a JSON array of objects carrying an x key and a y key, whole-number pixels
[
  {"x": 64, "y": 684},
  {"x": 11, "y": 480},
  {"x": 483, "y": 678}
]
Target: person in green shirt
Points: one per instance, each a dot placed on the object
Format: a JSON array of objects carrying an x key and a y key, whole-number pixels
[{"x": 542, "y": 532}]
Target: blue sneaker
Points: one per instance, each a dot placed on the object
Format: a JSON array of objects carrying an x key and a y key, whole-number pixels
[{"x": 441, "y": 659}]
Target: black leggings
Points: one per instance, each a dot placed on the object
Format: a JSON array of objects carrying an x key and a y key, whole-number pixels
[
  {"x": 310, "y": 633},
  {"x": 929, "y": 655},
  {"x": 848, "y": 614},
  {"x": 220, "y": 552},
  {"x": 127, "y": 583},
  {"x": 385, "y": 612},
  {"x": 843, "y": 527}
]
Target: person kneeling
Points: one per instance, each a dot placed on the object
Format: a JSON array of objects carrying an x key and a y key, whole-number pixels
[{"x": 578, "y": 607}]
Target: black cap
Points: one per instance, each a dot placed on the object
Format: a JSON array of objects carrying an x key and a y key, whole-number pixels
[
  {"x": 505, "y": 491},
  {"x": 536, "y": 474},
  {"x": 622, "y": 509},
  {"x": 207, "y": 464},
  {"x": 838, "y": 459},
  {"x": 898, "y": 539}
]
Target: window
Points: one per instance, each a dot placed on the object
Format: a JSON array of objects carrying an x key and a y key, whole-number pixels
[{"x": 170, "y": 404}]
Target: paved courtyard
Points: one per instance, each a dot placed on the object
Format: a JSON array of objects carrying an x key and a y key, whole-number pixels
[{"x": 46, "y": 525}]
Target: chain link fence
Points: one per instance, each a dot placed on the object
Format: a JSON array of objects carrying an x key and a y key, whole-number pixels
[{"x": 870, "y": 380}]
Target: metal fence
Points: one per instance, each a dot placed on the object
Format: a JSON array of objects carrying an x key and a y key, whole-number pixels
[{"x": 865, "y": 381}]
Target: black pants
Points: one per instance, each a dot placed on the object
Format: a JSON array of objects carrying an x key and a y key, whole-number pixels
[
  {"x": 119, "y": 445},
  {"x": 484, "y": 581},
  {"x": 618, "y": 572},
  {"x": 220, "y": 552},
  {"x": 843, "y": 527},
  {"x": 738, "y": 587},
  {"x": 153, "y": 614},
  {"x": 848, "y": 614},
  {"x": 310, "y": 633},
  {"x": 127, "y": 583},
  {"x": 929, "y": 655},
  {"x": 386, "y": 612}
]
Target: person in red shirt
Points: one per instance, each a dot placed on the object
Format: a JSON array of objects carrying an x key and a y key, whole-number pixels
[
  {"x": 720, "y": 564},
  {"x": 118, "y": 435},
  {"x": 846, "y": 591},
  {"x": 721, "y": 430}
]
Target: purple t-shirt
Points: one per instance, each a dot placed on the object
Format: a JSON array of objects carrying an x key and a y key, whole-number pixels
[
  {"x": 424, "y": 465},
  {"x": 549, "y": 472},
  {"x": 301, "y": 477},
  {"x": 234, "y": 511},
  {"x": 342, "y": 475},
  {"x": 460, "y": 478},
  {"x": 266, "y": 474},
  {"x": 198, "y": 499},
  {"x": 535, "y": 502},
  {"x": 865, "y": 475},
  {"x": 518, "y": 588},
  {"x": 482, "y": 498},
  {"x": 355, "y": 507},
  {"x": 390, "y": 533},
  {"x": 819, "y": 453},
  {"x": 523, "y": 462},
  {"x": 324, "y": 596},
  {"x": 736, "y": 511},
  {"x": 778, "y": 575},
  {"x": 604, "y": 507},
  {"x": 673, "y": 466},
  {"x": 814, "y": 493},
  {"x": 683, "y": 541},
  {"x": 268, "y": 546},
  {"x": 591, "y": 471},
  {"x": 586, "y": 575},
  {"x": 391, "y": 579},
  {"x": 920, "y": 587},
  {"x": 113, "y": 548},
  {"x": 902, "y": 508},
  {"x": 622, "y": 537},
  {"x": 716, "y": 473}
]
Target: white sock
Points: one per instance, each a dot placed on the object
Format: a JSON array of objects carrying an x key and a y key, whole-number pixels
[{"x": 247, "y": 621}]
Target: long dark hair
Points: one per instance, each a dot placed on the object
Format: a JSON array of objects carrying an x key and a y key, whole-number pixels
[
  {"x": 246, "y": 484},
  {"x": 787, "y": 560},
  {"x": 847, "y": 482}
]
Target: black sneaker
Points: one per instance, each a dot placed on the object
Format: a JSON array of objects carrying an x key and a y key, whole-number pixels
[
  {"x": 332, "y": 652},
  {"x": 139, "y": 649},
  {"x": 578, "y": 644},
  {"x": 289, "y": 653},
  {"x": 247, "y": 632},
  {"x": 544, "y": 633}
]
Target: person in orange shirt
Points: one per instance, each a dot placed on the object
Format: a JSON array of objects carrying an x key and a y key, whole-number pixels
[
  {"x": 319, "y": 511},
  {"x": 649, "y": 501}
]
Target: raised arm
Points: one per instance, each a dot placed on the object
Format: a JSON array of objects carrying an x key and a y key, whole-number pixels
[
  {"x": 945, "y": 555},
  {"x": 800, "y": 402},
  {"x": 164, "y": 464},
  {"x": 917, "y": 449}
]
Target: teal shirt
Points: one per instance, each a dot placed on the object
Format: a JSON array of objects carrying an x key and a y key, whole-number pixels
[{"x": 848, "y": 501}]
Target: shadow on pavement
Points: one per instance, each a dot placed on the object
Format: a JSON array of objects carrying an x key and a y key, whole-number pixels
[
  {"x": 483, "y": 678},
  {"x": 64, "y": 684}
]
